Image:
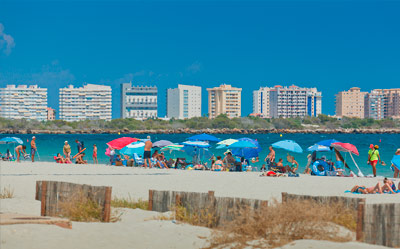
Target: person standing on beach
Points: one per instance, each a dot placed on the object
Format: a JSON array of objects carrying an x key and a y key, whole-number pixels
[
  {"x": 147, "y": 152},
  {"x": 19, "y": 150},
  {"x": 67, "y": 150},
  {"x": 270, "y": 159},
  {"x": 95, "y": 154},
  {"x": 80, "y": 146},
  {"x": 33, "y": 148},
  {"x": 396, "y": 168},
  {"x": 373, "y": 158}
]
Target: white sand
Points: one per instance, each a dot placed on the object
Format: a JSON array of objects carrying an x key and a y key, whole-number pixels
[{"x": 135, "y": 230}]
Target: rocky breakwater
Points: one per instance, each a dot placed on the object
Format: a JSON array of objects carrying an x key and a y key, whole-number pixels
[{"x": 210, "y": 131}]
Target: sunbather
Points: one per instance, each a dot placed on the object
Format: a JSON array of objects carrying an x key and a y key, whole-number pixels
[
  {"x": 59, "y": 158},
  {"x": 388, "y": 186},
  {"x": 364, "y": 190}
]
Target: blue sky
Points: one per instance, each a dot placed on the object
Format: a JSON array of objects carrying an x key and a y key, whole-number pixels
[{"x": 332, "y": 45}]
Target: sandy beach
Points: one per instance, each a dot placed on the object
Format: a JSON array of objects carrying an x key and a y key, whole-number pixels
[{"x": 137, "y": 228}]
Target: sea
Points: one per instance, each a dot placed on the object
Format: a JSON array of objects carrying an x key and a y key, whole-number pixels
[{"x": 50, "y": 144}]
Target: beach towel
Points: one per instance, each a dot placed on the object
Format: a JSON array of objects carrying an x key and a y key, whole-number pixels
[{"x": 348, "y": 191}]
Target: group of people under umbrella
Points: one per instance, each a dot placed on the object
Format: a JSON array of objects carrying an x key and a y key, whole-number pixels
[{"x": 238, "y": 155}]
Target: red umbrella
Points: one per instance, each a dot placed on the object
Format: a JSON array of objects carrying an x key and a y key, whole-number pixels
[
  {"x": 120, "y": 143},
  {"x": 346, "y": 147}
]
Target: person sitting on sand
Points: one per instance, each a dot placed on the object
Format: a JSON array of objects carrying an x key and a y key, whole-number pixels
[
  {"x": 388, "y": 186},
  {"x": 59, "y": 158},
  {"x": 279, "y": 166},
  {"x": 129, "y": 161},
  {"x": 20, "y": 149},
  {"x": 217, "y": 165},
  {"x": 162, "y": 160},
  {"x": 229, "y": 161},
  {"x": 199, "y": 167},
  {"x": 263, "y": 168},
  {"x": 294, "y": 164},
  {"x": 79, "y": 159}
]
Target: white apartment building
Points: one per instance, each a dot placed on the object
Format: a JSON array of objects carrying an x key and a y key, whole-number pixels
[
  {"x": 184, "y": 102},
  {"x": 88, "y": 102},
  {"x": 28, "y": 102},
  {"x": 224, "y": 99},
  {"x": 261, "y": 102},
  {"x": 138, "y": 102},
  {"x": 287, "y": 102}
]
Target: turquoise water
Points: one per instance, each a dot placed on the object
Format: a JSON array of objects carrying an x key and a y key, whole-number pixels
[{"x": 49, "y": 145}]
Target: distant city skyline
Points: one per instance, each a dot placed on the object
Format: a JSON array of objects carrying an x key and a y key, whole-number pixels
[{"x": 330, "y": 45}]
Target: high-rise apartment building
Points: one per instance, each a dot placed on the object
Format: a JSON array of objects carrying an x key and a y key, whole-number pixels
[
  {"x": 88, "y": 102},
  {"x": 392, "y": 103},
  {"x": 138, "y": 102},
  {"x": 350, "y": 103},
  {"x": 224, "y": 99},
  {"x": 29, "y": 102},
  {"x": 374, "y": 105},
  {"x": 287, "y": 102},
  {"x": 261, "y": 102},
  {"x": 184, "y": 102}
]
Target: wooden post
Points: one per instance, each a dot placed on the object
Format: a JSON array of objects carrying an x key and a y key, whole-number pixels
[
  {"x": 211, "y": 195},
  {"x": 284, "y": 197},
  {"x": 150, "y": 206},
  {"x": 43, "y": 199},
  {"x": 178, "y": 200},
  {"x": 107, "y": 205},
  {"x": 264, "y": 205},
  {"x": 360, "y": 220}
]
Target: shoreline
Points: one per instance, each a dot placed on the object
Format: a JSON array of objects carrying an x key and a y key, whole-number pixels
[{"x": 210, "y": 131}]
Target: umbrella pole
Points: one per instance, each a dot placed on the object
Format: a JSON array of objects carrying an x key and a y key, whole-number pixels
[{"x": 359, "y": 171}]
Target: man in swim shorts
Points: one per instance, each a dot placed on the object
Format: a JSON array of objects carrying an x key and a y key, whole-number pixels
[
  {"x": 147, "y": 152},
  {"x": 33, "y": 148}
]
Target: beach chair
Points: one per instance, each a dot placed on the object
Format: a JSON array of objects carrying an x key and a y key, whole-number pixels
[{"x": 138, "y": 160}]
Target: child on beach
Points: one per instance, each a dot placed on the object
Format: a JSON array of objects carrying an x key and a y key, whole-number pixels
[{"x": 95, "y": 154}]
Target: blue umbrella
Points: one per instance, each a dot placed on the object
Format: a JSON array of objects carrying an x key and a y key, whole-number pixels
[
  {"x": 328, "y": 142},
  {"x": 247, "y": 152},
  {"x": 11, "y": 140},
  {"x": 396, "y": 161},
  {"x": 319, "y": 148},
  {"x": 135, "y": 147},
  {"x": 204, "y": 137},
  {"x": 242, "y": 144},
  {"x": 199, "y": 144},
  {"x": 288, "y": 145}
]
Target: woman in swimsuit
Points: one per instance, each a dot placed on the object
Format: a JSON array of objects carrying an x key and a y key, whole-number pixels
[
  {"x": 20, "y": 149},
  {"x": 371, "y": 190},
  {"x": 95, "y": 161},
  {"x": 217, "y": 165},
  {"x": 388, "y": 186}
]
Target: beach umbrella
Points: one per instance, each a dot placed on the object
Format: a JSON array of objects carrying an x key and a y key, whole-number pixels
[
  {"x": 199, "y": 144},
  {"x": 11, "y": 140},
  {"x": 204, "y": 137},
  {"x": 248, "y": 152},
  {"x": 396, "y": 162},
  {"x": 173, "y": 147},
  {"x": 227, "y": 142},
  {"x": 328, "y": 142},
  {"x": 242, "y": 144},
  {"x": 319, "y": 148},
  {"x": 161, "y": 143},
  {"x": 288, "y": 145},
  {"x": 346, "y": 147},
  {"x": 121, "y": 142},
  {"x": 135, "y": 147}
]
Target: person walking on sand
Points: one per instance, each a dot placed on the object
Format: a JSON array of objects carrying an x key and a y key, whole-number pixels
[
  {"x": 147, "y": 152},
  {"x": 373, "y": 158},
  {"x": 396, "y": 168},
  {"x": 79, "y": 145},
  {"x": 67, "y": 150},
  {"x": 33, "y": 148},
  {"x": 95, "y": 154},
  {"x": 19, "y": 150}
]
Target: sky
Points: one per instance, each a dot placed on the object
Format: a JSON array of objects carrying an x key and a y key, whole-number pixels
[{"x": 331, "y": 45}]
